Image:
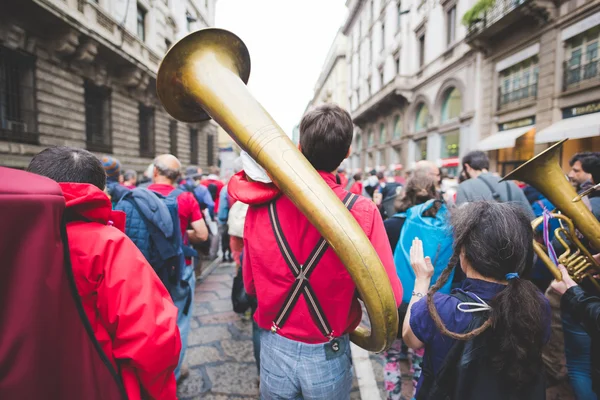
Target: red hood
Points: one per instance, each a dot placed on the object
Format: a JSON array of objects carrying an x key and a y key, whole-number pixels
[
  {"x": 91, "y": 203},
  {"x": 253, "y": 193}
]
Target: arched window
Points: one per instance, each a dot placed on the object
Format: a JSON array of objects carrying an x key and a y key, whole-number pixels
[
  {"x": 422, "y": 117},
  {"x": 451, "y": 105},
  {"x": 358, "y": 142},
  {"x": 397, "y": 127},
  {"x": 382, "y": 133},
  {"x": 371, "y": 139}
]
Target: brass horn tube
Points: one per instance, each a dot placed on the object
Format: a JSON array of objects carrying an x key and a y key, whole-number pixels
[{"x": 205, "y": 72}]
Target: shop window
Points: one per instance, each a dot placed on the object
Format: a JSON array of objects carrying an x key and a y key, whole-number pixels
[
  {"x": 582, "y": 58},
  {"x": 450, "y": 26},
  {"x": 146, "y": 131},
  {"x": 421, "y": 149},
  {"x": 397, "y": 127},
  {"x": 450, "y": 142},
  {"x": 97, "y": 118},
  {"x": 358, "y": 142},
  {"x": 382, "y": 37},
  {"x": 371, "y": 139},
  {"x": 451, "y": 105},
  {"x": 17, "y": 97},
  {"x": 422, "y": 117},
  {"x": 382, "y": 133},
  {"x": 421, "y": 50},
  {"x": 519, "y": 83}
]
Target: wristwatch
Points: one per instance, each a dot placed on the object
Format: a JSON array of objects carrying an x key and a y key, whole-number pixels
[{"x": 415, "y": 294}]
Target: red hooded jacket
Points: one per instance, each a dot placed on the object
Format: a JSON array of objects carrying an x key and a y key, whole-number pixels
[
  {"x": 267, "y": 276},
  {"x": 129, "y": 309}
]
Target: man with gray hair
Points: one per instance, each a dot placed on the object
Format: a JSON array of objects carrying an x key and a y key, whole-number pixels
[
  {"x": 431, "y": 169},
  {"x": 130, "y": 179}
]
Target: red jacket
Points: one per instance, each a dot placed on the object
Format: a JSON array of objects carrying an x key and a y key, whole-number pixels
[
  {"x": 219, "y": 185},
  {"x": 267, "y": 276},
  {"x": 131, "y": 312},
  {"x": 357, "y": 188}
]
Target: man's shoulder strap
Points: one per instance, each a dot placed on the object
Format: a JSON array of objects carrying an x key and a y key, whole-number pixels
[{"x": 495, "y": 194}]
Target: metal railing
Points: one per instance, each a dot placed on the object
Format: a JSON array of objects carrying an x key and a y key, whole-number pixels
[
  {"x": 518, "y": 95},
  {"x": 574, "y": 75},
  {"x": 494, "y": 14}
]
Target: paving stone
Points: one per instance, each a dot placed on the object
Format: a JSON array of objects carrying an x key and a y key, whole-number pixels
[
  {"x": 208, "y": 334},
  {"x": 241, "y": 327},
  {"x": 201, "y": 297},
  {"x": 219, "y": 318},
  {"x": 193, "y": 385},
  {"x": 194, "y": 323},
  {"x": 199, "y": 355},
  {"x": 200, "y": 309},
  {"x": 221, "y": 305},
  {"x": 241, "y": 351},
  {"x": 218, "y": 278},
  {"x": 211, "y": 286},
  {"x": 234, "y": 378},
  {"x": 223, "y": 293}
]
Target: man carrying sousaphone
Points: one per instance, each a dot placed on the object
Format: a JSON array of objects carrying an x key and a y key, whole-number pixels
[{"x": 307, "y": 303}]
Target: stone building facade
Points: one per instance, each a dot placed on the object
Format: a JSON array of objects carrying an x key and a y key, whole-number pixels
[
  {"x": 412, "y": 87},
  {"x": 540, "y": 78},
  {"x": 82, "y": 73}
]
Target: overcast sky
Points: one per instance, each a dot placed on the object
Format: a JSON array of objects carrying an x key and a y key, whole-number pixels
[{"x": 288, "y": 41}]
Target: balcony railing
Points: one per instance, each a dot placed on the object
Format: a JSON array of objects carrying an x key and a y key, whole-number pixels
[
  {"x": 520, "y": 95},
  {"x": 493, "y": 14},
  {"x": 575, "y": 75}
]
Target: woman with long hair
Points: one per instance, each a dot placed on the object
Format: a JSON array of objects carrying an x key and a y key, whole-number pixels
[
  {"x": 498, "y": 316},
  {"x": 419, "y": 189}
]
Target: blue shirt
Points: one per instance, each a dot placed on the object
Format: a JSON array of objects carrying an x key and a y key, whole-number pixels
[
  {"x": 223, "y": 213},
  {"x": 455, "y": 320}
]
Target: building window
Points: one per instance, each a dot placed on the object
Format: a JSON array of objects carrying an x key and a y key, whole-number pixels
[
  {"x": 146, "y": 127},
  {"x": 17, "y": 97},
  {"x": 358, "y": 60},
  {"x": 421, "y": 149},
  {"x": 421, "y": 50},
  {"x": 451, "y": 104},
  {"x": 168, "y": 44},
  {"x": 399, "y": 17},
  {"x": 370, "y": 50},
  {"x": 369, "y": 87},
  {"x": 397, "y": 63},
  {"x": 97, "y": 118},
  {"x": 193, "y": 146},
  {"x": 371, "y": 139},
  {"x": 382, "y": 133},
  {"x": 450, "y": 25},
  {"x": 519, "y": 82},
  {"x": 173, "y": 137},
  {"x": 372, "y": 11},
  {"x": 141, "y": 23},
  {"x": 206, "y": 4},
  {"x": 378, "y": 159},
  {"x": 582, "y": 58},
  {"x": 422, "y": 117},
  {"x": 381, "y": 77},
  {"x": 358, "y": 142},
  {"x": 450, "y": 143},
  {"x": 382, "y": 37},
  {"x": 397, "y": 127},
  {"x": 210, "y": 144}
]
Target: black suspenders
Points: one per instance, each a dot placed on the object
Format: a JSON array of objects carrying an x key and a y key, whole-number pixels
[{"x": 302, "y": 273}]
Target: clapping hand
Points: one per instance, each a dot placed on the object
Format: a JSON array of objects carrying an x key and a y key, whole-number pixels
[{"x": 420, "y": 264}]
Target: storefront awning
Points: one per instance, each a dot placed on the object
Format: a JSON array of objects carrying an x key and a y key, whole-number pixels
[
  {"x": 570, "y": 128},
  {"x": 503, "y": 140},
  {"x": 450, "y": 162}
]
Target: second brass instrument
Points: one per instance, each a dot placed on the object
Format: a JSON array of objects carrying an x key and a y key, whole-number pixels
[{"x": 544, "y": 173}]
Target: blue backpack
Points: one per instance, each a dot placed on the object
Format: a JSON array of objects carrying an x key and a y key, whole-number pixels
[
  {"x": 437, "y": 240},
  {"x": 153, "y": 225}
]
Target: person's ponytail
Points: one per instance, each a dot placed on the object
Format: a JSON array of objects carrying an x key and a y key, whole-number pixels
[{"x": 517, "y": 334}]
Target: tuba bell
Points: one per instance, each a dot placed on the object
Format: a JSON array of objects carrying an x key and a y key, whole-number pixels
[
  {"x": 204, "y": 76},
  {"x": 544, "y": 173}
]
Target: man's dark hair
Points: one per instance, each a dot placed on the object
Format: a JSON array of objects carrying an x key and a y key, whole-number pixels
[
  {"x": 326, "y": 136},
  {"x": 591, "y": 165},
  {"x": 477, "y": 160},
  {"x": 582, "y": 155},
  {"x": 357, "y": 177},
  {"x": 68, "y": 164}
]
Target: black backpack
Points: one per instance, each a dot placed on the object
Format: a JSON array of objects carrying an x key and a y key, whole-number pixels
[{"x": 467, "y": 374}]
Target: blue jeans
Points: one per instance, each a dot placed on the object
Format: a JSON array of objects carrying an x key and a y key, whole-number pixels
[
  {"x": 183, "y": 320},
  {"x": 256, "y": 343},
  {"x": 296, "y": 370},
  {"x": 578, "y": 354}
]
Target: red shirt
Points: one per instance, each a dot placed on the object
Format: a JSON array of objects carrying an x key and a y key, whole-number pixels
[
  {"x": 219, "y": 185},
  {"x": 357, "y": 188},
  {"x": 267, "y": 276}
]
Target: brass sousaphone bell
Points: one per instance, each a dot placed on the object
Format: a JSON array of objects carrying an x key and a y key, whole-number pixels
[
  {"x": 204, "y": 76},
  {"x": 544, "y": 173}
]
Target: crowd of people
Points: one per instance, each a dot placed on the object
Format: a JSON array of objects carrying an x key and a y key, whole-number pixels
[{"x": 477, "y": 310}]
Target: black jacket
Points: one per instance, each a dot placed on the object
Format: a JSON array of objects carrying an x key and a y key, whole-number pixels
[{"x": 585, "y": 308}]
